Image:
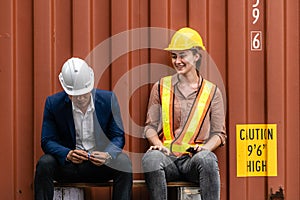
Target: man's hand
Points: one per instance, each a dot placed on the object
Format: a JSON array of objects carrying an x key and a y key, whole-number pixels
[
  {"x": 99, "y": 158},
  {"x": 163, "y": 149},
  {"x": 77, "y": 156}
]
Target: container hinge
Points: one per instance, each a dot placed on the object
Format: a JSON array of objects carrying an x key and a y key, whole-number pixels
[{"x": 278, "y": 194}]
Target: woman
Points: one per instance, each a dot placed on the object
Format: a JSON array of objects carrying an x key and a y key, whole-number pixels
[{"x": 185, "y": 123}]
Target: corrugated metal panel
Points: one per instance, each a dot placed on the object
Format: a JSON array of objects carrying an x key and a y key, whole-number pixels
[
  {"x": 36, "y": 37},
  {"x": 16, "y": 80},
  {"x": 283, "y": 90},
  {"x": 260, "y": 88},
  {"x": 7, "y": 88},
  {"x": 246, "y": 89}
]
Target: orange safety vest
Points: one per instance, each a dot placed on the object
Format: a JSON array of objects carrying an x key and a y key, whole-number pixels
[{"x": 187, "y": 137}]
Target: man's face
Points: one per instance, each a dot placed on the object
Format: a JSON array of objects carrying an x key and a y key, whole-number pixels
[
  {"x": 81, "y": 101},
  {"x": 184, "y": 61}
]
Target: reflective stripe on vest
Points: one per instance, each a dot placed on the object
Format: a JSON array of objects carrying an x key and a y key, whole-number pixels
[
  {"x": 167, "y": 95},
  {"x": 194, "y": 122}
]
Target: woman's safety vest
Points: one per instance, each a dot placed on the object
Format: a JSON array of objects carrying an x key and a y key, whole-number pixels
[{"x": 191, "y": 129}]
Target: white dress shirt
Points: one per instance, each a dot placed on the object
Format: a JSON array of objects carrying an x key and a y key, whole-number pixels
[{"x": 84, "y": 127}]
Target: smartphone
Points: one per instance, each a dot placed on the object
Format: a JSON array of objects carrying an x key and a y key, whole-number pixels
[{"x": 191, "y": 150}]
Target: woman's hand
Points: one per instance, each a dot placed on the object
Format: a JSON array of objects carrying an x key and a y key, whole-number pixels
[
  {"x": 163, "y": 149},
  {"x": 193, "y": 150}
]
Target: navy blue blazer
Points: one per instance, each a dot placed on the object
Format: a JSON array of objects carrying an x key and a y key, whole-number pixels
[{"x": 58, "y": 129}]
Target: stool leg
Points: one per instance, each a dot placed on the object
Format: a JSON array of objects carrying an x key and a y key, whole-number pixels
[{"x": 68, "y": 193}]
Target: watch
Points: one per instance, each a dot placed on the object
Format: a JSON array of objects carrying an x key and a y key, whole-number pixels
[{"x": 108, "y": 158}]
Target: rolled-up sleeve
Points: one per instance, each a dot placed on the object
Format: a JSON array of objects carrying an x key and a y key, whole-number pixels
[
  {"x": 217, "y": 117},
  {"x": 153, "y": 120}
]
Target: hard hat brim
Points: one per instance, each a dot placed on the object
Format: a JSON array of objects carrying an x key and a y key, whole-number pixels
[
  {"x": 79, "y": 91},
  {"x": 180, "y": 49},
  {"x": 175, "y": 49}
]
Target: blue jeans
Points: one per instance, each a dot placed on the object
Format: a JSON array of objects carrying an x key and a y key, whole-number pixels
[
  {"x": 202, "y": 168},
  {"x": 48, "y": 169}
]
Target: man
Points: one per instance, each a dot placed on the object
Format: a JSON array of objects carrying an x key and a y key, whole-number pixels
[
  {"x": 82, "y": 136},
  {"x": 185, "y": 123}
]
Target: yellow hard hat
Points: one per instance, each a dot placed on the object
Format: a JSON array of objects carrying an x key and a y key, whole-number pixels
[{"x": 185, "y": 38}]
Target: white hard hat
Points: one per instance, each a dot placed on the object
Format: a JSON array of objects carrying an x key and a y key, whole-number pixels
[{"x": 76, "y": 77}]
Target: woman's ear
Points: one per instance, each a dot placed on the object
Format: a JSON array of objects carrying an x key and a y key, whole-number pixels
[{"x": 198, "y": 56}]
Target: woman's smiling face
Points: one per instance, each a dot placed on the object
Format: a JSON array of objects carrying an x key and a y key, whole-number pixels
[{"x": 184, "y": 61}]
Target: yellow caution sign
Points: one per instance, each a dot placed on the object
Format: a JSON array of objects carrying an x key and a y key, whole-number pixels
[{"x": 256, "y": 150}]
